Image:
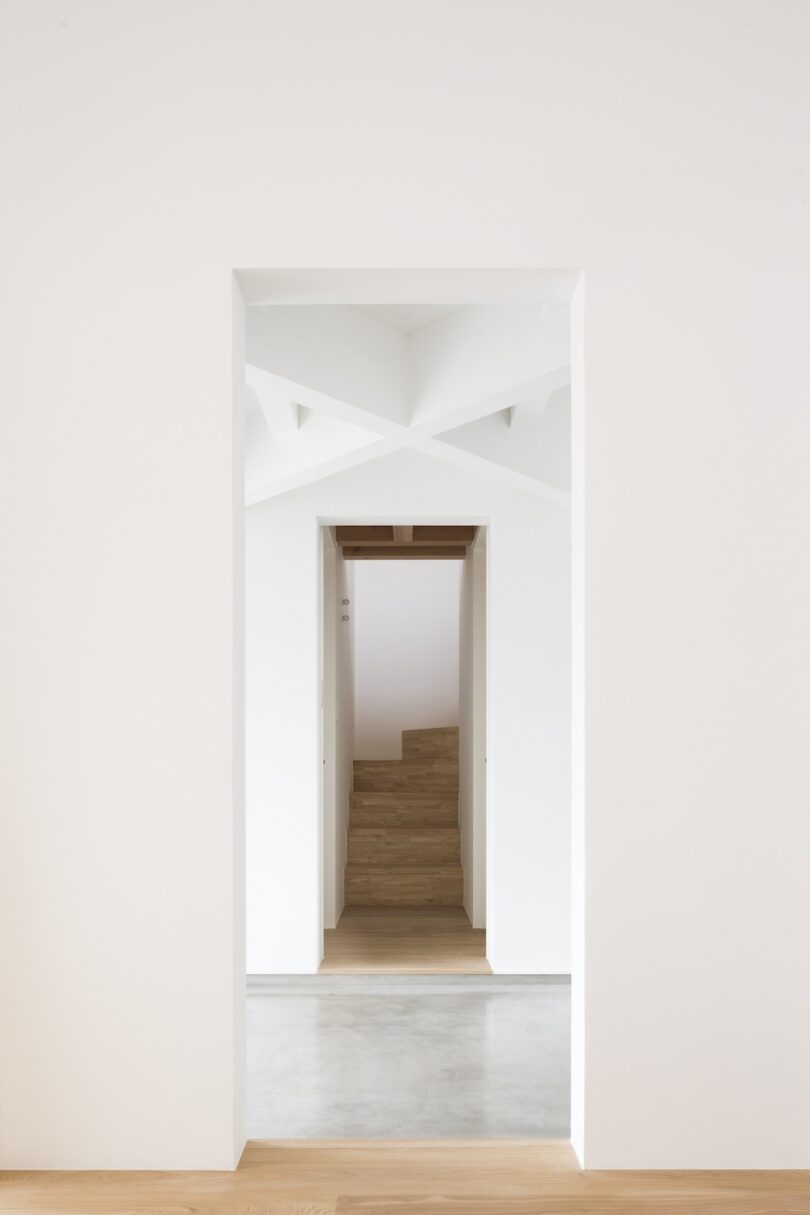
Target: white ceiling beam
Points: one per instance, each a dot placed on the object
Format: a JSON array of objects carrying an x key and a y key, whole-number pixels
[
  {"x": 407, "y": 440},
  {"x": 276, "y": 387},
  {"x": 326, "y": 468},
  {"x": 266, "y": 384},
  {"x": 489, "y": 468},
  {"x": 538, "y": 389},
  {"x": 424, "y": 436}
]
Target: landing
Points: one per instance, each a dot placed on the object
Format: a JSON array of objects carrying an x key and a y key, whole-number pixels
[{"x": 405, "y": 940}]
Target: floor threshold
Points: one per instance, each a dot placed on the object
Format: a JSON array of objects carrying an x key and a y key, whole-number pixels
[{"x": 394, "y": 984}]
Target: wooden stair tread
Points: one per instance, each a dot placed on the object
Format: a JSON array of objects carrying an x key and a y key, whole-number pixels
[{"x": 410, "y": 846}]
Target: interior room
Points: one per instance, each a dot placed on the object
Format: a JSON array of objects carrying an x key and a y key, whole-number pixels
[{"x": 353, "y": 259}]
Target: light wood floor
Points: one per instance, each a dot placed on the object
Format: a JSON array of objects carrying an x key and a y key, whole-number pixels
[
  {"x": 405, "y": 940},
  {"x": 401, "y": 1178}
]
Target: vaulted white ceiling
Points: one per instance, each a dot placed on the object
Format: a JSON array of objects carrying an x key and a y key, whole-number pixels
[{"x": 486, "y": 386}]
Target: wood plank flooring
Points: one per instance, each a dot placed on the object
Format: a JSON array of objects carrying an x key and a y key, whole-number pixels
[
  {"x": 405, "y": 940},
  {"x": 381, "y": 1177}
]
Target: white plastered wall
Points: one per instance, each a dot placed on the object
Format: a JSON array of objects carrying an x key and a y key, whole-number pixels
[
  {"x": 406, "y": 651},
  {"x": 664, "y": 148}
]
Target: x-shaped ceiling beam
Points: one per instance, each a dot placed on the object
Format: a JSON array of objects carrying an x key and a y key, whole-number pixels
[{"x": 422, "y": 436}]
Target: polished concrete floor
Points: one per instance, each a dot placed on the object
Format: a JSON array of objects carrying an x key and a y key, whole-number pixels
[{"x": 407, "y": 1057}]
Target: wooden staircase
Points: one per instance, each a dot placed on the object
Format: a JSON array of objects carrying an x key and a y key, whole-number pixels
[{"x": 404, "y": 845}]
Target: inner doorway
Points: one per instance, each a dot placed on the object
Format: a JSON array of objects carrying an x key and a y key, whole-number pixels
[{"x": 404, "y": 749}]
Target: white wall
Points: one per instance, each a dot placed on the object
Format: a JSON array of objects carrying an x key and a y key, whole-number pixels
[
  {"x": 406, "y": 651},
  {"x": 284, "y": 772},
  {"x": 472, "y": 732},
  {"x": 150, "y": 150}
]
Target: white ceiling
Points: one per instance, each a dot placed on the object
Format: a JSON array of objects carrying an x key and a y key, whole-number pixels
[
  {"x": 326, "y": 390},
  {"x": 408, "y": 317}
]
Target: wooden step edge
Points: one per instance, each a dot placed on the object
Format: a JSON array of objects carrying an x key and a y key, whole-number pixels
[
  {"x": 378, "y": 825},
  {"x": 410, "y": 761},
  {"x": 410, "y": 767},
  {"x": 430, "y": 729},
  {"x": 408, "y": 808},
  {"x": 427, "y": 784},
  {"x": 444, "y": 793},
  {"x": 437, "y": 792},
  {"x": 446, "y": 868},
  {"x": 432, "y": 734},
  {"x": 409, "y": 829}
]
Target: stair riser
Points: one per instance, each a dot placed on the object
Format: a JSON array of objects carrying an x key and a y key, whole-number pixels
[
  {"x": 430, "y": 744},
  {"x": 402, "y": 810},
  {"x": 434, "y": 846},
  {"x": 372, "y": 799},
  {"x": 383, "y": 776},
  {"x": 403, "y": 816},
  {"x": 436, "y": 888}
]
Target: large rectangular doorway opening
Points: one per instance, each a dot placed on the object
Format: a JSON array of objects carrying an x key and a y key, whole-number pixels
[
  {"x": 408, "y": 674},
  {"x": 404, "y": 749}
]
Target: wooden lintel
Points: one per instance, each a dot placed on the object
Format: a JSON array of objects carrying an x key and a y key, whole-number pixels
[
  {"x": 429, "y": 534},
  {"x": 364, "y": 535},
  {"x": 403, "y": 535},
  {"x": 412, "y": 552},
  {"x": 421, "y": 534}
]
